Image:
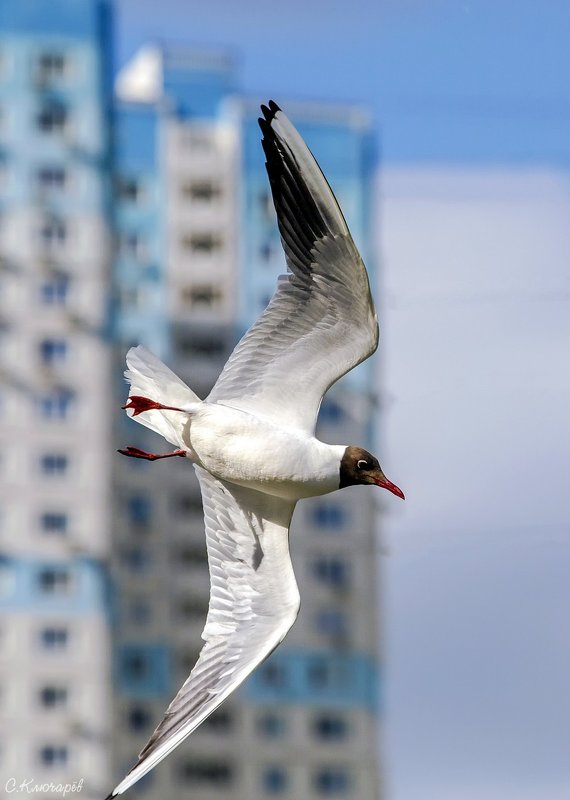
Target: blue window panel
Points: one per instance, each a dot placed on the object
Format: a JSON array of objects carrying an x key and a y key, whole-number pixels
[
  {"x": 271, "y": 725},
  {"x": 139, "y": 509},
  {"x": 54, "y": 464},
  {"x": 142, "y": 670},
  {"x": 53, "y": 350},
  {"x": 318, "y": 679},
  {"x": 54, "y": 292},
  {"x": 53, "y": 755},
  {"x": 331, "y": 781},
  {"x": 275, "y": 780},
  {"x": 329, "y": 515},
  {"x": 137, "y": 559},
  {"x": 52, "y": 116},
  {"x": 72, "y": 587},
  {"x": 331, "y": 622},
  {"x": 54, "y": 639},
  {"x": 332, "y": 571},
  {"x": 54, "y": 522},
  {"x": 138, "y": 718},
  {"x": 56, "y": 405},
  {"x": 54, "y": 580},
  {"x": 330, "y": 727},
  {"x": 331, "y": 412}
]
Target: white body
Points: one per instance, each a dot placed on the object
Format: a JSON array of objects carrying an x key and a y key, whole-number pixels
[{"x": 240, "y": 448}]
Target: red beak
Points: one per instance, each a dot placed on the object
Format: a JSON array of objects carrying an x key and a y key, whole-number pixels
[{"x": 386, "y": 484}]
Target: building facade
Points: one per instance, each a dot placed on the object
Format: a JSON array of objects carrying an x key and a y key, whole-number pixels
[
  {"x": 55, "y": 102},
  {"x": 147, "y": 218},
  {"x": 199, "y": 263}
]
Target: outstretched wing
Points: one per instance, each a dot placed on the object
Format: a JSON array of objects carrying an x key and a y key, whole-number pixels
[
  {"x": 254, "y": 600},
  {"x": 321, "y": 321}
]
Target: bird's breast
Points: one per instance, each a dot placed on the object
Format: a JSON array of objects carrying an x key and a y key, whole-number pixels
[{"x": 241, "y": 448}]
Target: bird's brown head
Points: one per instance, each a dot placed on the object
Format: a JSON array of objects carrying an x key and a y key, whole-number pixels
[{"x": 359, "y": 466}]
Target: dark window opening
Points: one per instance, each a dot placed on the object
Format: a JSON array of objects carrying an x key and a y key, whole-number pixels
[
  {"x": 53, "y": 696},
  {"x": 54, "y": 522},
  {"x": 207, "y": 773}
]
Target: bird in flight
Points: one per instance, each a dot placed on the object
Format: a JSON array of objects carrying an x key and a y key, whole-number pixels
[{"x": 252, "y": 441}]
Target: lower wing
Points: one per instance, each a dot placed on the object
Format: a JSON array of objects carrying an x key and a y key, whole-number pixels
[{"x": 254, "y": 600}]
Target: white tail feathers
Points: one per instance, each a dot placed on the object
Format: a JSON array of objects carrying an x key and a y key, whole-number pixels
[{"x": 149, "y": 377}]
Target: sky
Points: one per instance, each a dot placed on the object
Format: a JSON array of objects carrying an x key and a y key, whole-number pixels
[{"x": 472, "y": 104}]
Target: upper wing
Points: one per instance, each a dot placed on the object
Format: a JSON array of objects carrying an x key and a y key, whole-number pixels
[
  {"x": 254, "y": 600},
  {"x": 321, "y": 321}
]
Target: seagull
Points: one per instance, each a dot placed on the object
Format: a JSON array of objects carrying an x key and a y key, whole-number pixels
[{"x": 252, "y": 441}]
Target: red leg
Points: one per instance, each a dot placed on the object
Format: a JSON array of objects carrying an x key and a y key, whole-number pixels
[
  {"x": 140, "y": 404},
  {"x": 134, "y": 452}
]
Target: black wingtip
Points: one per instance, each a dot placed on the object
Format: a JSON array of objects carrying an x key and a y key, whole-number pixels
[
  {"x": 110, "y": 796},
  {"x": 270, "y": 110}
]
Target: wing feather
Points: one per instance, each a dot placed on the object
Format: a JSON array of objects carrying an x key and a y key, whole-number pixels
[
  {"x": 321, "y": 321},
  {"x": 254, "y": 600}
]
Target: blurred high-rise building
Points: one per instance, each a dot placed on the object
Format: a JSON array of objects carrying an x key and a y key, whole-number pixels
[
  {"x": 198, "y": 258},
  {"x": 55, "y": 103},
  {"x": 173, "y": 171}
]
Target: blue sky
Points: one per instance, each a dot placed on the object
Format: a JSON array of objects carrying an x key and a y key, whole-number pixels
[
  {"x": 484, "y": 81},
  {"x": 474, "y": 309}
]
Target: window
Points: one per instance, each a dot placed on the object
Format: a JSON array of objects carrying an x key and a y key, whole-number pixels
[
  {"x": 192, "y": 608},
  {"x": 207, "y": 773},
  {"x": 202, "y": 243},
  {"x": 53, "y": 117},
  {"x": 53, "y": 233},
  {"x": 273, "y": 674},
  {"x": 54, "y": 291},
  {"x": 328, "y": 515},
  {"x": 51, "y": 66},
  {"x": 53, "y": 697},
  {"x": 331, "y": 781},
  {"x": 132, "y": 246},
  {"x": 53, "y": 351},
  {"x": 54, "y": 464},
  {"x": 54, "y": 522},
  {"x": 129, "y": 189},
  {"x": 139, "y": 509},
  {"x": 202, "y": 295},
  {"x": 266, "y": 205},
  {"x": 330, "y": 727},
  {"x": 136, "y": 559},
  {"x": 268, "y": 250},
  {"x": 187, "y": 660},
  {"x": 200, "y": 345},
  {"x": 52, "y": 178},
  {"x": 54, "y": 580},
  {"x": 54, "y": 755},
  {"x": 189, "y": 555},
  {"x": 221, "y": 721},
  {"x": 331, "y": 412},
  {"x": 57, "y": 404},
  {"x": 331, "y": 622},
  {"x": 325, "y": 673},
  {"x": 136, "y": 666},
  {"x": 138, "y": 718},
  {"x": 271, "y": 726},
  {"x": 185, "y": 503},
  {"x": 140, "y": 611},
  {"x": 201, "y": 191},
  {"x": 275, "y": 780},
  {"x": 54, "y": 638},
  {"x": 333, "y": 571}
]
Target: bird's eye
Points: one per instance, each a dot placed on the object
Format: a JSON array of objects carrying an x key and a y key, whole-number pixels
[{"x": 362, "y": 464}]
